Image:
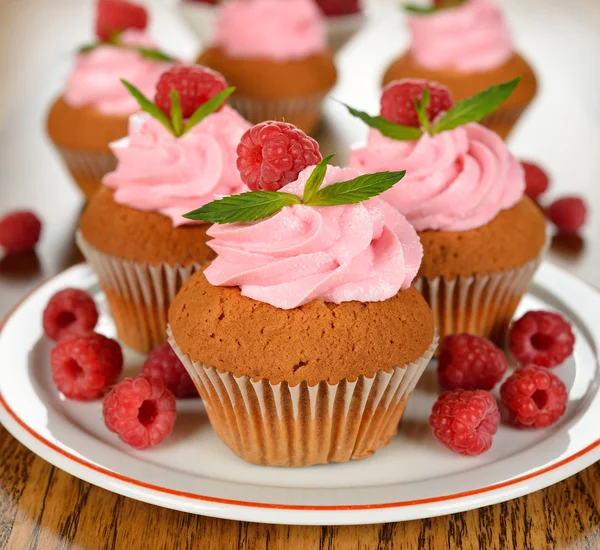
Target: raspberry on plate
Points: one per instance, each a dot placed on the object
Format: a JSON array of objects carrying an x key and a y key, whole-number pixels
[
  {"x": 114, "y": 16},
  {"x": 20, "y": 231},
  {"x": 398, "y": 101},
  {"x": 163, "y": 363},
  {"x": 541, "y": 338},
  {"x": 272, "y": 154},
  {"x": 534, "y": 397},
  {"x": 536, "y": 180},
  {"x": 140, "y": 410},
  {"x": 194, "y": 84},
  {"x": 85, "y": 366},
  {"x": 470, "y": 362},
  {"x": 70, "y": 311},
  {"x": 568, "y": 214},
  {"x": 465, "y": 421}
]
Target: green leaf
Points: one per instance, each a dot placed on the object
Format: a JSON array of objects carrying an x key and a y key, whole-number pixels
[
  {"x": 476, "y": 107},
  {"x": 315, "y": 180},
  {"x": 151, "y": 53},
  {"x": 421, "y": 108},
  {"x": 387, "y": 128},
  {"x": 246, "y": 207},
  {"x": 176, "y": 116},
  {"x": 208, "y": 108},
  {"x": 419, "y": 10},
  {"x": 88, "y": 48},
  {"x": 147, "y": 106},
  {"x": 357, "y": 190}
]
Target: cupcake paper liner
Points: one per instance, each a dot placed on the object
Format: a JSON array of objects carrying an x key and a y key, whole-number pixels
[
  {"x": 283, "y": 425},
  {"x": 342, "y": 28},
  {"x": 503, "y": 120},
  {"x": 139, "y": 294},
  {"x": 88, "y": 168}
]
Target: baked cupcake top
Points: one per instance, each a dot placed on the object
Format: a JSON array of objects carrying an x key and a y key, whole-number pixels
[
  {"x": 459, "y": 35},
  {"x": 281, "y": 31},
  {"x": 460, "y": 175},
  {"x": 172, "y": 163}
]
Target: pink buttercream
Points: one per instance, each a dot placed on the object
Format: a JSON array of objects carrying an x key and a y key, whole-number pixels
[
  {"x": 161, "y": 173},
  {"x": 455, "y": 181},
  {"x": 471, "y": 37},
  {"x": 275, "y": 29},
  {"x": 365, "y": 252},
  {"x": 95, "y": 79}
]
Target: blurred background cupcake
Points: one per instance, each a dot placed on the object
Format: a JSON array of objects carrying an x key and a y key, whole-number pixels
[
  {"x": 276, "y": 54},
  {"x": 466, "y": 46},
  {"x": 94, "y": 108}
]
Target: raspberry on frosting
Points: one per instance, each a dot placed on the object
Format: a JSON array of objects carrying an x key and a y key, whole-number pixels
[
  {"x": 338, "y": 7},
  {"x": 114, "y": 16}
]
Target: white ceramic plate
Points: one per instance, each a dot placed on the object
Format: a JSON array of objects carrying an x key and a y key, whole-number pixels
[{"x": 414, "y": 477}]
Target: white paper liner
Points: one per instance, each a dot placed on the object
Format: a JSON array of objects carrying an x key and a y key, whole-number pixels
[
  {"x": 302, "y": 425},
  {"x": 139, "y": 294},
  {"x": 342, "y": 28},
  {"x": 88, "y": 168}
]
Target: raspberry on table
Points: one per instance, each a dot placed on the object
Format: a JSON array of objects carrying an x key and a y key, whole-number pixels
[
  {"x": 338, "y": 7},
  {"x": 70, "y": 311},
  {"x": 20, "y": 231},
  {"x": 163, "y": 363},
  {"x": 84, "y": 367},
  {"x": 465, "y": 421},
  {"x": 114, "y": 16},
  {"x": 470, "y": 362},
  {"x": 140, "y": 410},
  {"x": 536, "y": 180},
  {"x": 194, "y": 84},
  {"x": 534, "y": 397},
  {"x": 398, "y": 101},
  {"x": 541, "y": 338},
  {"x": 272, "y": 154},
  {"x": 568, "y": 214}
]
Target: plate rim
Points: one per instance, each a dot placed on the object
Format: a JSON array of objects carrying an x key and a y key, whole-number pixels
[{"x": 286, "y": 513}]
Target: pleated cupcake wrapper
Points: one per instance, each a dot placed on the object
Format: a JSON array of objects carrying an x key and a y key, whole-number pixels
[
  {"x": 139, "y": 294},
  {"x": 302, "y": 425},
  {"x": 504, "y": 119},
  {"x": 480, "y": 304},
  {"x": 88, "y": 167},
  {"x": 342, "y": 28}
]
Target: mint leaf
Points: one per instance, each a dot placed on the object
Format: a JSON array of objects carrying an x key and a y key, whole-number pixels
[
  {"x": 387, "y": 128},
  {"x": 419, "y": 10},
  {"x": 421, "y": 108},
  {"x": 176, "y": 116},
  {"x": 315, "y": 180},
  {"x": 151, "y": 53},
  {"x": 476, "y": 107},
  {"x": 357, "y": 190},
  {"x": 208, "y": 108},
  {"x": 148, "y": 107},
  {"x": 246, "y": 207},
  {"x": 88, "y": 48}
]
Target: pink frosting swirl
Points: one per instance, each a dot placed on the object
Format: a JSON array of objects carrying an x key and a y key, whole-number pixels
[
  {"x": 161, "y": 173},
  {"x": 95, "y": 79},
  {"x": 455, "y": 181},
  {"x": 277, "y": 30},
  {"x": 365, "y": 252},
  {"x": 472, "y": 37}
]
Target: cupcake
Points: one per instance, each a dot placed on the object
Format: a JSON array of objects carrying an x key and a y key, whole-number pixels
[
  {"x": 132, "y": 232},
  {"x": 304, "y": 336},
  {"x": 464, "y": 194},
  {"x": 466, "y": 46},
  {"x": 94, "y": 108},
  {"x": 276, "y": 55}
]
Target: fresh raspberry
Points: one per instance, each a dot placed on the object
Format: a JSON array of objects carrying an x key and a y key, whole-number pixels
[
  {"x": 568, "y": 214},
  {"x": 534, "y": 397},
  {"x": 84, "y": 367},
  {"x": 140, "y": 410},
  {"x": 541, "y": 338},
  {"x": 163, "y": 363},
  {"x": 272, "y": 154},
  {"x": 470, "y": 362},
  {"x": 20, "y": 231},
  {"x": 114, "y": 16},
  {"x": 465, "y": 421},
  {"x": 70, "y": 311},
  {"x": 536, "y": 180},
  {"x": 398, "y": 101},
  {"x": 195, "y": 85},
  {"x": 338, "y": 7}
]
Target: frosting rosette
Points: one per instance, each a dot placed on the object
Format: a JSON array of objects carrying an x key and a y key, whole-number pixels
[
  {"x": 455, "y": 180},
  {"x": 365, "y": 252},
  {"x": 471, "y": 37},
  {"x": 159, "y": 172},
  {"x": 96, "y": 78},
  {"x": 271, "y": 29}
]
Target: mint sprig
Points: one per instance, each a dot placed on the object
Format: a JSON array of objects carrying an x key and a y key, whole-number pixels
[
  {"x": 147, "y": 53},
  {"x": 421, "y": 108},
  {"x": 208, "y": 108},
  {"x": 385, "y": 127},
  {"x": 422, "y": 10},
  {"x": 176, "y": 115},
  {"x": 315, "y": 180},
  {"x": 148, "y": 107}
]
